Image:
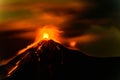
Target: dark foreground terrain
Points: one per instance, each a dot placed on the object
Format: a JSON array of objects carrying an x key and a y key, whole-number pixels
[{"x": 52, "y": 61}]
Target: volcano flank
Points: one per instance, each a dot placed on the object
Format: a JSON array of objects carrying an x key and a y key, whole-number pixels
[{"x": 49, "y": 60}]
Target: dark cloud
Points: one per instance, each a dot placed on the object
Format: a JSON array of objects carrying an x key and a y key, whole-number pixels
[
  {"x": 10, "y": 33},
  {"x": 75, "y": 30},
  {"x": 103, "y": 9},
  {"x": 104, "y": 13}
]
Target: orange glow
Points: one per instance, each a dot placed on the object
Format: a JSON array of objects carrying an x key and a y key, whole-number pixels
[
  {"x": 12, "y": 70},
  {"x": 48, "y": 32},
  {"x": 45, "y": 36},
  {"x": 72, "y": 43}
]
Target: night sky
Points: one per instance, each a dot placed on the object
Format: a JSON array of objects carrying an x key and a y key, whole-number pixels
[{"x": 92, "y": 24}]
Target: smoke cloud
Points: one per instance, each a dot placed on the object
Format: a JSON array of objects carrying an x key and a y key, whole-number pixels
[{"x": 92, "y": 24}]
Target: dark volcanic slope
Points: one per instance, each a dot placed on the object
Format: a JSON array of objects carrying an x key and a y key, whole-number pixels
[{"x": 52, "y": 61}]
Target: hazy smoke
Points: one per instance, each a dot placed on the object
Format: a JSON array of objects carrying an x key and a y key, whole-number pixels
[{"x": 92, "y": 24}]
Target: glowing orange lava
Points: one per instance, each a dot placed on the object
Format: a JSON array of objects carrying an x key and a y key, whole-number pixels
[
  {"x": 47, "y": 33},
  {"x": 72, "y": 43},
  {"x": 45, "y": 36}
]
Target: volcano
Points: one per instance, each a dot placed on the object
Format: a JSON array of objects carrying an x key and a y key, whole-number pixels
[{"x": 49, "y": 60}]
